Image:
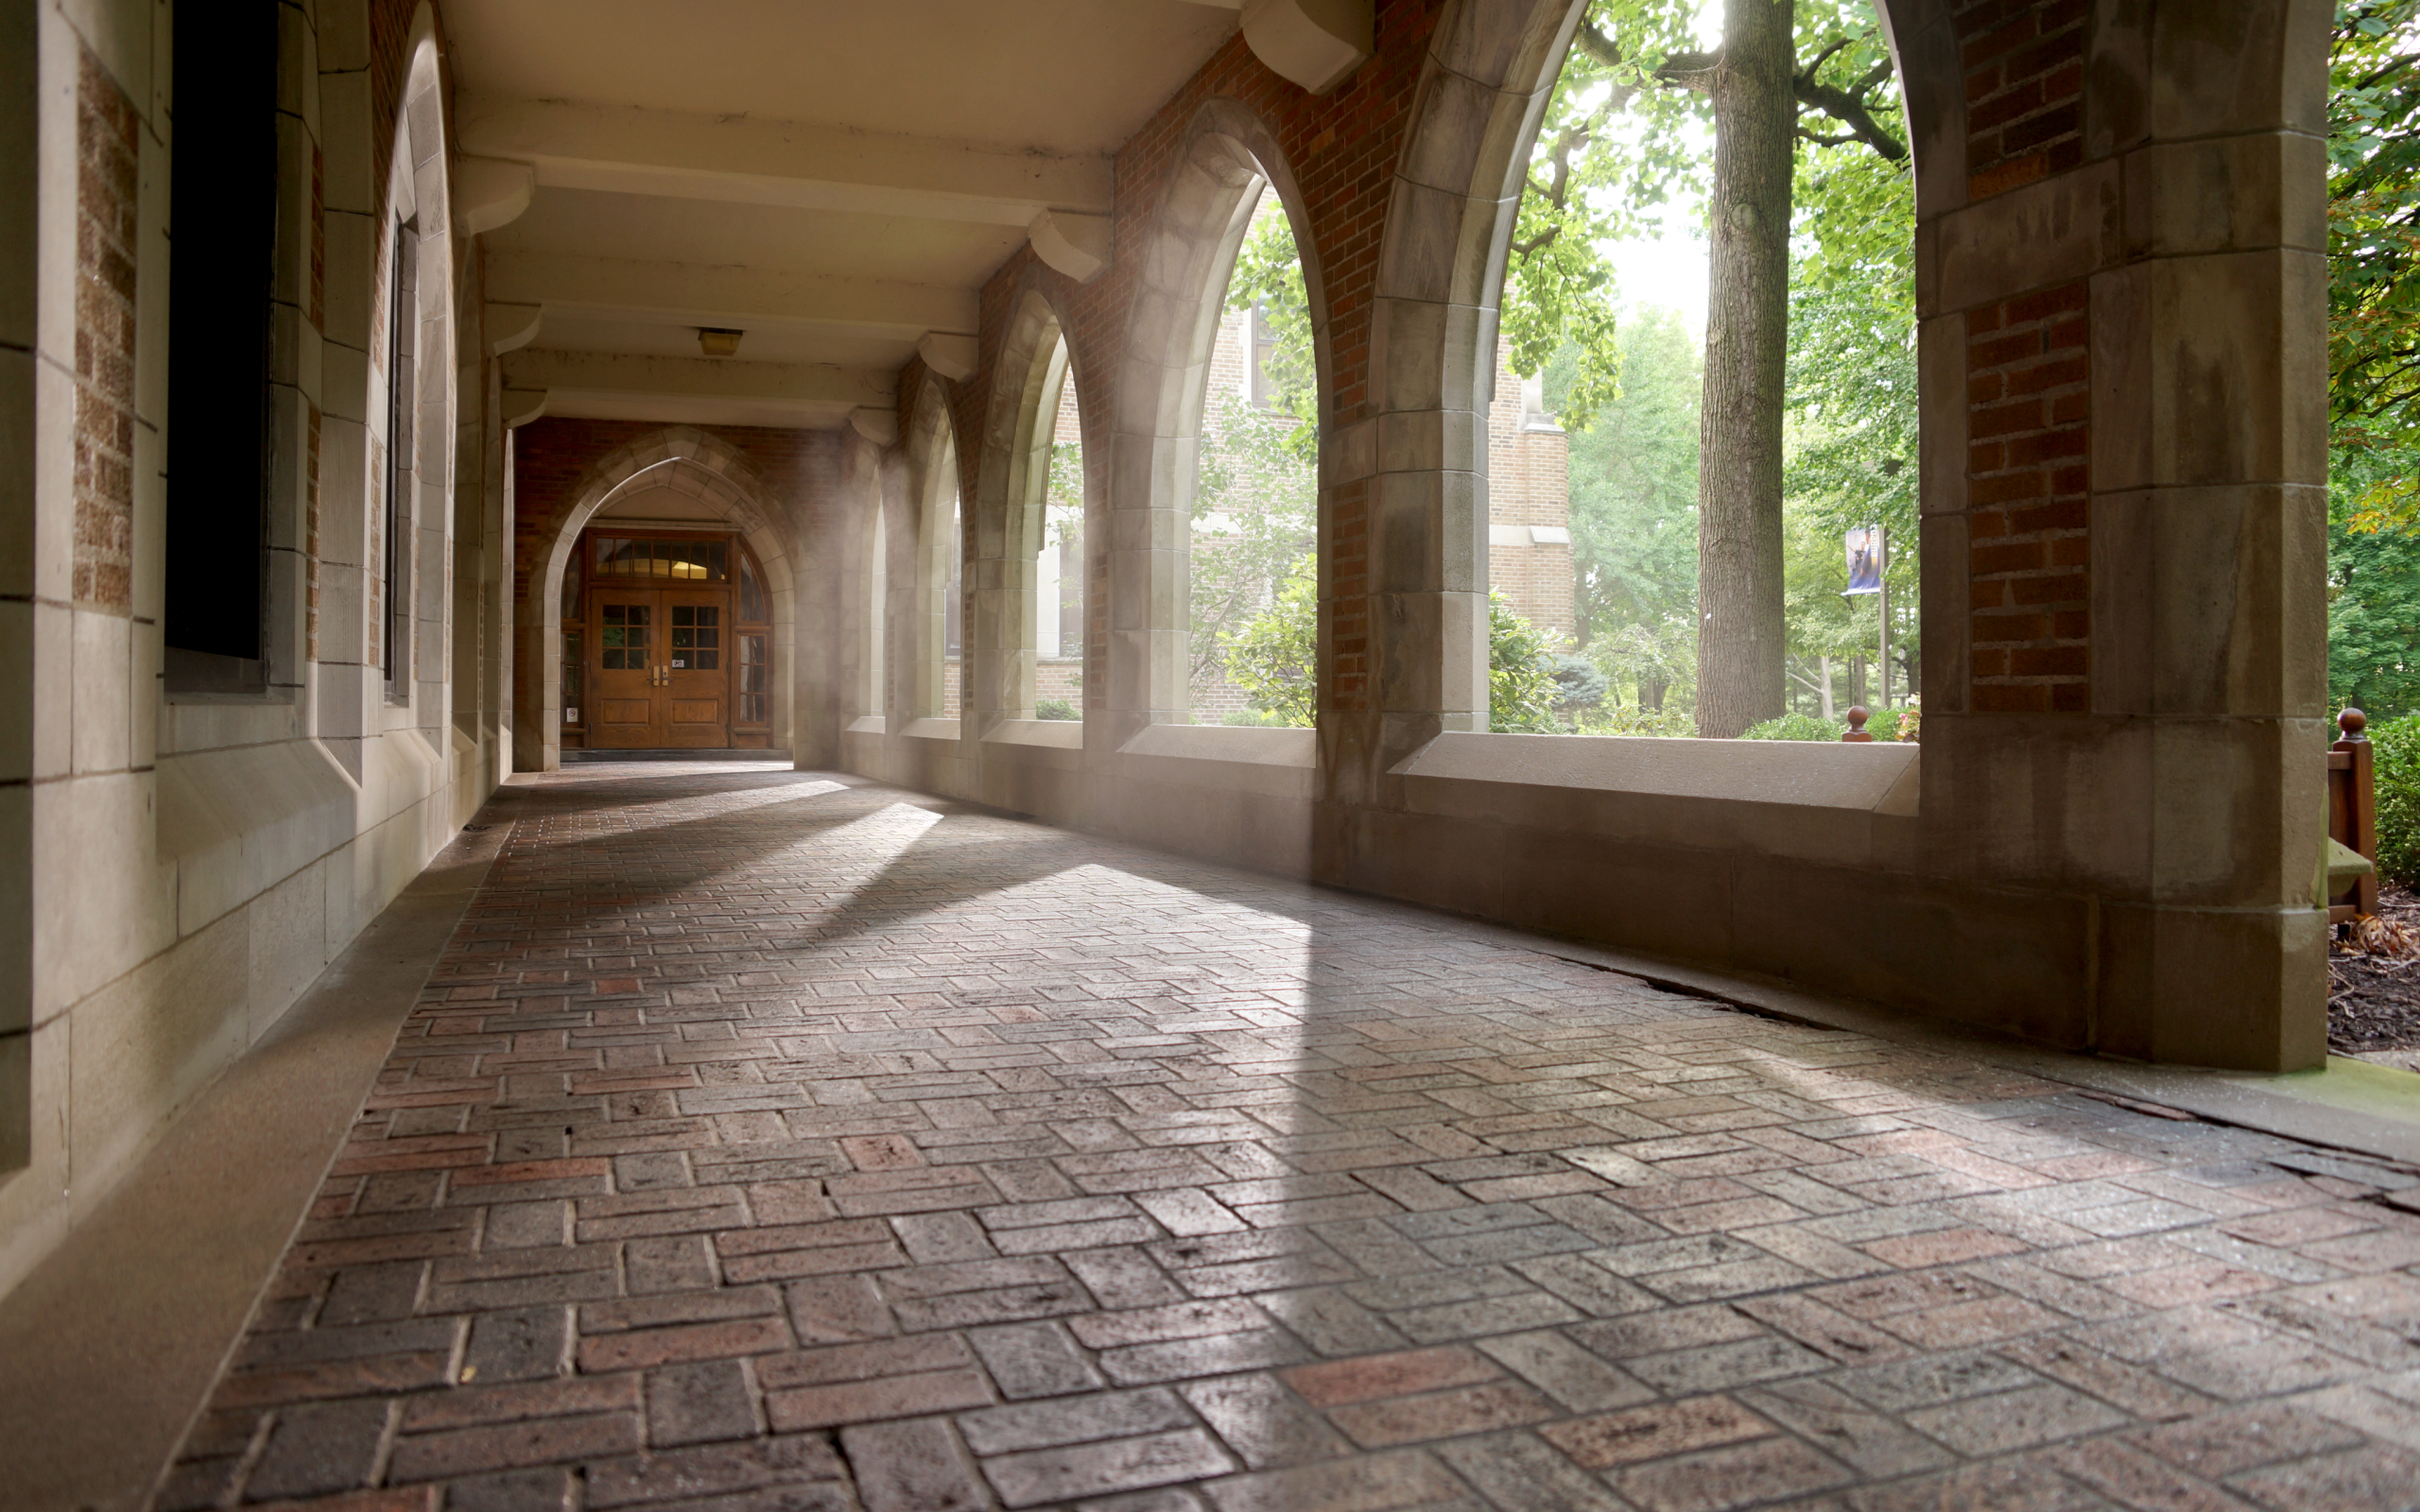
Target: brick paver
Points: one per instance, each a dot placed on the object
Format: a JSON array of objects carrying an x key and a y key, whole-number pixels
[{"x": 770, "y": 1141}]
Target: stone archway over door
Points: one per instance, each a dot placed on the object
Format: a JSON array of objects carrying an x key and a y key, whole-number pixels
[{"x": 682, "y": 461}]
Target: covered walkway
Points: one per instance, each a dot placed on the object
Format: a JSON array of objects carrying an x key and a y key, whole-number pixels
[{"x": 778, "y": 1139}]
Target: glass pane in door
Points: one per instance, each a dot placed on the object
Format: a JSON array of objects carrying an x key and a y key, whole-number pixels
[
  {"x": 623, "y": 637},
  {"x": 696, "y": 637}
]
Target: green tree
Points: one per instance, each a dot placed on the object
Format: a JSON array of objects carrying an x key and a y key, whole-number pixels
[
  {"x": 1657, "y": 665},
  {"x": 2373, "y": 591},
  {"x": 1273, "y": 656},
  {"x": 1255, "y": 498},
  {"x": 1634, "y": 482},
  {"x": 1784, "y": 73},
  {"x": 1268, "y": 278},
  {"x": 2373, "y": 244},
  {"x": 1521, "y": 687}
]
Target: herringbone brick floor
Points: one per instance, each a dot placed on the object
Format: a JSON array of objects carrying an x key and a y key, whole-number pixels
[{"x": 774, "y": 1141}]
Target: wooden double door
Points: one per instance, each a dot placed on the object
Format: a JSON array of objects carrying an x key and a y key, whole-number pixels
[{"x": 662, "y": 668}]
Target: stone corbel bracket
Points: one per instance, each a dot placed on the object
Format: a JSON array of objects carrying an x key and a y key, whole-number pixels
[
  {"x": 491, "y": 191},
  {"x": 510, "y": 327},
  {"x": 880, "y": 426},
  {"x": 953, "y": 357},
  {"x": 1317, "y": 43},
  {"x": 1075, "y": 244},
  {"x": 522, "y": 405}
]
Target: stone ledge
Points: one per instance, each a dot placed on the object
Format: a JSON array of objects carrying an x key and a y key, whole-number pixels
[
  {"x": 239, "y": 819},
  {"x": 1877, "y": 778},
  {"x": 930, "y": 728},
  {"x": 1258, "y": 746},
  {"x": 1055, "y": 734}
]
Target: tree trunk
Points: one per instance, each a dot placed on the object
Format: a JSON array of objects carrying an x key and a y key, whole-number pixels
[{"x": 1740, "y": 629}]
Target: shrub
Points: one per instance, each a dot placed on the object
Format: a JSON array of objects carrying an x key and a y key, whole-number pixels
[
  {"x": 1579, "y": 682},
  {"x": 1270, "y": 658},
  {"x": 1911, "y": 720},
  {"x": 1056, "y": 709},
  {"x": 1521, "y": 687},
  {"x": 2396, "y": 759},
  {"x": 1629, "y": 719},
  {"x": 1793, "y": 727},
  {"x": 1257, "y": 719}
]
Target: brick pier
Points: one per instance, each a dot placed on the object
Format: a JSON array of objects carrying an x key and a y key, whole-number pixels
[{"x": 769, "y": 1141}]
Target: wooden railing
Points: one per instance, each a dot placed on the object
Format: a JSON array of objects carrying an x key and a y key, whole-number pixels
[{"x": 2353, "y": 813}]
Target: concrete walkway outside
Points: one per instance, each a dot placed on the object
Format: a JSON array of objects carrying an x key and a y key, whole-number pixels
[{"x": 768, "y": 1141}]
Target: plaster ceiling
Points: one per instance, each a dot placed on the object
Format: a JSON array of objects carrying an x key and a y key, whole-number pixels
[
  {"x": 1070, "y": 75},
  {"x": 834, "y": 178}
]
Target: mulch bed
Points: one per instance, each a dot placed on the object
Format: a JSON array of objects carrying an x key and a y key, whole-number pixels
[{"x": 2374, "y": 1001}]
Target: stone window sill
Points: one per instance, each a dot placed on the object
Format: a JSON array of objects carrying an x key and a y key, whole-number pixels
[
  {"x": 1057, "y": 734},
  {"x": 1251, "y": 745},
  {"x": 1875, "y": 777}
]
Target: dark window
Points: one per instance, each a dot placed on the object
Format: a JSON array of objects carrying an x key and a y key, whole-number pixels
[
  {"x": 1264, "y": 347},
  {"x": 571, "y": 588},
  {"x": 571, "y": 676},
  {"x": 622, "y": 637},
  {"x": 691, "y": 561},
  {"x": 222, "y": 227},
  {"x": 753, "y": 681},
  {"x": 697, "y": 638},
  {"x": 751, "y": 591},
  {"x": 403, "y": 329}
]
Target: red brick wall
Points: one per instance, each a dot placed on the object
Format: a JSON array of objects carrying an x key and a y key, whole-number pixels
[
  {"x": 2028, "y": 429},
  {"x": 1342, "y": 149},
  {"x": 106, "y": 126},
  {"x": 2024, "y": 65},
  {"x": 552, "y": 458},
  {"x": 2027, "y": 367}
]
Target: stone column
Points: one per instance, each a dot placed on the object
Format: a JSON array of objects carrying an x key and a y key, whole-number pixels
[{"x": 2123, "y": 292}]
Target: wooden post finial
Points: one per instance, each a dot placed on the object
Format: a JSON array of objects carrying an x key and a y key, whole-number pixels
[
  {"x": 2351, "y": 723},
  {"x": 1856, "y": 724}
]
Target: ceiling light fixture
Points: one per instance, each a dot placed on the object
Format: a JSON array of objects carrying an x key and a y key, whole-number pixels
[{"x": 715, "y": 342}]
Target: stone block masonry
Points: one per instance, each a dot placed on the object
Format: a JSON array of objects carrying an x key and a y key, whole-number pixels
[{"x": 766, "y": 1140}]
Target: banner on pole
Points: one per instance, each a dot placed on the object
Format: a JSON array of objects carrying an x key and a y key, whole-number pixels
[{"x": 1865, "y": 561}]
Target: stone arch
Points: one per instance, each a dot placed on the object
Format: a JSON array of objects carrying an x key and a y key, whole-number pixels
[
  {"x": 1224, "y": 158},
  {"x": 1490, "y": 72},
  {"x": 920, "y": 550},
  {"x": 417, "y": 200},
  {"x": 1035, "y": 363},
  {"x": 704, "y": 467}
]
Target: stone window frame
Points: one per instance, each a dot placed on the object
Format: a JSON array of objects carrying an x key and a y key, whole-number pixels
[
  {"x": 1036, "y": 364},
  {"x": 870, "y": 586},
  {"x": 1227, "y": 158},
  {"x": 417, "y": 197},
  {"x": 936, "y": 480}
]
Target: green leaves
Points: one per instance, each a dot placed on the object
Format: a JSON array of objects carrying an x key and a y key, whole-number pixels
[
  {"x": 2373, "y": 244},
  {"x": 1269, "y": 275},
  {"x": 1255, "y": 500},
  {"x": 1272, "y": 658},
  {"x": 2372, "y": 590},
  {"x": 1521, "y": 687}
]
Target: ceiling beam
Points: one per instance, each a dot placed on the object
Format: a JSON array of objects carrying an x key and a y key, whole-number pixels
[
  {"x": 745, "y": 298},
  {"x": 680, "y": 155},
  {"x": 615, "y": 385}
]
